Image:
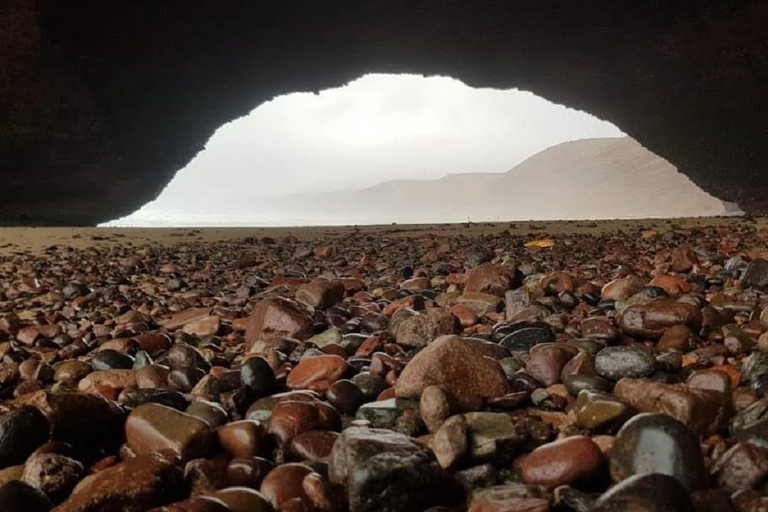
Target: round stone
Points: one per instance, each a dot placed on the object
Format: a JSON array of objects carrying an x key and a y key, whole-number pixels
[
  {"x": 657, "y": 443},
  {"x": 257, "y": 376},
  {"x": 624, "y": 361}
]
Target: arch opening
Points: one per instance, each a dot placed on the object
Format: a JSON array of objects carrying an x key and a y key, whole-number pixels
[{"x": 413, "y": 149}]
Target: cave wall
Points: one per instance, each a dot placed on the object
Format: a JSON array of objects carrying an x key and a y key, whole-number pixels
[{"x": 102, "y": 102}]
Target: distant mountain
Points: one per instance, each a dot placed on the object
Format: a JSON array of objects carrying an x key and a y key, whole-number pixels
[{"x": 582, "y": 179}]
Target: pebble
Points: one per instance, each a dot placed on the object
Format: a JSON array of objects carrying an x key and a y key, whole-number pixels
[
  {"x": 54, "y": 474},
  {"x": 657, "y": 443},
  {"x": 652, "y": 319},
  {"x": 376, "y": 464},
  {"x": 453, "y": 365},
  {"x": 244, "y": 438},
  {"x": 615, "y": 363},
  {"x": 257, "y": 375},
  {"x": 346, "y": 396},
  {"x": 569, "y": 461},
  {"x": 317, "y": 373},
  {"x": 702, "y": 410},
  {"x": 134, "y": 485},
  {"x": 427, "y": 371},
  {"x": 21, "y": 432},
  {"x": 153, "y": 428}
]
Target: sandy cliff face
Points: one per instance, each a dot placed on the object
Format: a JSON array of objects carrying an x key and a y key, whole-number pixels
[
  {"x": 102, "y": 102},
  {"x": 584, "y": 179}
]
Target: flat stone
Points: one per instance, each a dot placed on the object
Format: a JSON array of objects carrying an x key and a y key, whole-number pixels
[
  {"x": 568, "y": 461},
  {"x": 600, "y": 411},
  {"x": 701, "y": 410},
  {"x": 652, "y": 319},
  {"x": 132, "y": 486},
  {"x": 624, "y": 361},
  {"x": 395, "y": 414},
  {"x": 317, "y": 373},
  {"x": 153, "y": 428},
  {"x": 278, "y": 317}
]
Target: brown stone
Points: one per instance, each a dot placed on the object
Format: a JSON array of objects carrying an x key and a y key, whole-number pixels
[
  {"x": 652, "y": 319},
  {"x": 284, "y": 483},
  {"x": 321, "y": 293},
  {"x": 546, "y": 364},
  {"x": 245, "y": 438},
  {"x": 292, "y": 417},
  {"x": 435, "y": 406},
  {"x": 131, "y": 486},
  {"x": 489, "y": 278},
  {"x": 155, "y": 428},
  {"x": 278, "y": 317},
  {"x": 317, "y": 373},
  {"x": 54, "y": 474},
  {"x": 182, "y": 318},
  {"x": 683, "y": 259},
  {"x": 565, "y": 462},
  {"x": 702, "y": 410},
  {"x": 242, "y": 499},
  {"x": 623, "y": 288},
  {"x": 455, "y": 366},
  {"x": 202, "y": 327},
  {"x": 313, "y": 446},
  {"x": 744, "y": 466}
]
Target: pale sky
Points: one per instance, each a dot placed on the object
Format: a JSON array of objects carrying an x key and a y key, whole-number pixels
[{"x": 375, "y": 129}]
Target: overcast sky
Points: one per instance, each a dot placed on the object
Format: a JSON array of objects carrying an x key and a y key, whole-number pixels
[{"x": 375, "y": 129}]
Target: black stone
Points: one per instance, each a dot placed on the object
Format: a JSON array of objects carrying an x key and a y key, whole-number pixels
[
  {"x": 257, "y": 376},
  {"x": 523, "y": 340},
  {"x": 111, "y": 360},
  {"x": 624, "y": 361},
  {"x": 21, "y": 432}
]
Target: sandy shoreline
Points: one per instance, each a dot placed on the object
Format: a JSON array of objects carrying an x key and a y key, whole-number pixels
[{"x": 37, "y": 239}]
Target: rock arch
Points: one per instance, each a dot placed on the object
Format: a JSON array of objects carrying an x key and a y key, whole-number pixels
[{"x": 102, "y": 102}]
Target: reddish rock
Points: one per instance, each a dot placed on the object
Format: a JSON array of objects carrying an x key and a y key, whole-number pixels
[
  {"x": 204, "y": 326},
  {"x": 154, "y": 428},
  {"x": 317, "y": 373},
  {"x": 565, "y": 462},
  {"x": 489, "y": 278},
  {"x": 245, "y": 438},
  {"x": 284, "y": 483},
  {"x": 652, "y": 319},
  {"x": 321, "y": 293},
  {"x": 182, "y": 318},
  {"x": 509, "y": 498},
  {"x": 702, "y": 410},
  {"x": 683, "y": 260},
  {"x": 315, "y": 445},
  {"x": 467, "y": 317},
  {"x": 132, "y": 486},
  {"x": 623, "y": 288},
  {"x": 454, "y": 365},
  {"x": 546, "y": 364},
  {"x": 744, "y": 466},
  {"x": 674, "y": 286},
  {"x": 292, "y": 417},
  {"x": 278, "y": 317}
]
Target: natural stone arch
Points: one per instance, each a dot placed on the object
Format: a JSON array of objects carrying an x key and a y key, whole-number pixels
[{"x": 105, "y": 101}]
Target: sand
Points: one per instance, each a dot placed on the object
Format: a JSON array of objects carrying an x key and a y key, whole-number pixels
[{"x": 14, "y": 240}]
